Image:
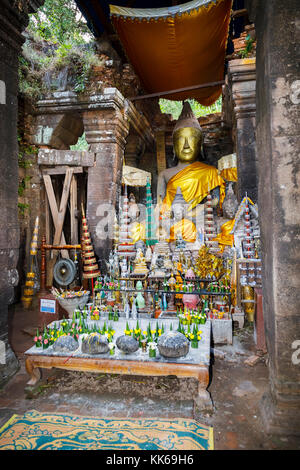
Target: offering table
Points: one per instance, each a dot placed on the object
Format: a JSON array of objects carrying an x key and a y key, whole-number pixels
[{"x": 194, "y": 365}]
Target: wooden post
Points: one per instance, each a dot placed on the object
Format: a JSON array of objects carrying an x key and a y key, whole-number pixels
[
  {"x": 160, "y": 151},
  {"x": 73, "y": 211},
  {"x": 54, "y": 210},
  {"x": 59, "y": 221}
]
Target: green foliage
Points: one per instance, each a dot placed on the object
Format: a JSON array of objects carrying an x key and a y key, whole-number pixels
[
  {"x": 58, "y": 44},
  {"x": 174, "y": 107},
  {"x": 22, "y": 208},
  {"x": 81, "y": 144},
  {"x": 41, "y": 68},
  {"x": 59, "y": 21},
  {"x": 249, "y": 47},
  {"x": 26, "y": 152},
  {"x": 22, "y": 185}
]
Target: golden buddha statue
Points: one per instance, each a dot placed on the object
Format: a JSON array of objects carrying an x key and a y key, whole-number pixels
[{"x": 190, "y": 180}]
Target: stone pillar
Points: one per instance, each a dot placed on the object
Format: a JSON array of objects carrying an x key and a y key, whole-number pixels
[
  {"x": 278, "y": 102},
  {"x": 242, "y": 81},
  {"x": 134, "y": 150},
  {"x": 12, "y": 21},
  {"x": 106, "y": 129}
]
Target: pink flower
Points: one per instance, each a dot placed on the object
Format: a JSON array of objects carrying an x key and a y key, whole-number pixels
[
  {"x": 40, "y": 338},
  {"x": 35, "y": 339},
  {"x": 45, "y": 341},
  {"x": 77, "y": 336},
  {"x": 68, "y": 334},
  {"x": 73, "y": 326}
]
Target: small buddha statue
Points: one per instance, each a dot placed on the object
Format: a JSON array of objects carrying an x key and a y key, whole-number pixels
[
  {"x": 136, "y": 229},
  {"x": 140, "y": 263},
  {"x": 190, "y": 180},
  {"x": 183, "y": 229},
  {"x": 226, "y": 223},
  {"x": 140, "y": 300}
]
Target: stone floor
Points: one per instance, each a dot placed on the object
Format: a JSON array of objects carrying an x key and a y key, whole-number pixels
[{"x": 236, "y": 390}]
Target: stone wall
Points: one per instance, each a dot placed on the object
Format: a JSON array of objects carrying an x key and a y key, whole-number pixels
[
  {"x": 12, "y": 20},
  {"x": 277, "y": 130}
]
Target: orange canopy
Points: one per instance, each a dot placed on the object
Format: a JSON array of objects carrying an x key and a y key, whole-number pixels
[{"x": 176, "y": 47}]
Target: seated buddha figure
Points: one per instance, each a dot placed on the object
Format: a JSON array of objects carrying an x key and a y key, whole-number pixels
[
  {"x": 190, "y": 181},
  {"x": 137, "y": 230},
  {"x": 182, "y": 228}
]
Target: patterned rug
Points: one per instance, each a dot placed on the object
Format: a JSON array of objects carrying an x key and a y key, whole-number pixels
[{"x": 52, "y": 431}]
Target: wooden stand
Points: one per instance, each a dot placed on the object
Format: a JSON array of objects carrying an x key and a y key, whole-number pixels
[{"x": 111, "y": 366}]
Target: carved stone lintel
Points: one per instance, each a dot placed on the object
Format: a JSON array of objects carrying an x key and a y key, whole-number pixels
[
  {"x": 242, "y": 76},
  {"x": 110, "y": 101}
]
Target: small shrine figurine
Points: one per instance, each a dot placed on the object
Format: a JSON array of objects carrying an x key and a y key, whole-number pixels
[
  {"x": 134, "y": 313},
  {"x": 190, "y": 300},
  {"x": 140, "y": 263},
  {"x": 172, "y": 282},
  {"x": 164, "y": 303},
  {"x": 127, "y": 309},
  {"x": 148, "y": 255},
  {"x": 140, "y": 301},
  {"x": 124, "y": 269}
]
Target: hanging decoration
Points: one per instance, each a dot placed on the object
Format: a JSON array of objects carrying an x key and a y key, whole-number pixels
[{"x": 176, "y": 47}]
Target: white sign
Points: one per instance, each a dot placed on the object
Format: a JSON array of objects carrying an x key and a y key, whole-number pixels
[{"x": 48, "y": 305}]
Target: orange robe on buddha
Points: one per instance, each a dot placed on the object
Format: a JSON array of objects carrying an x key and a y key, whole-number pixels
[{"x": 187, "y": 230}]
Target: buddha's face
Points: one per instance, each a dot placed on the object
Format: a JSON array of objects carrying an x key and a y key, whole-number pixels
[{"x": 187, "y": 143}]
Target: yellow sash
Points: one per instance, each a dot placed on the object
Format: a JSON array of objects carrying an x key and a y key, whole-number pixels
[
  {"x": 225, "y": 237},
  {"x": 229, "y": 174},
  {"x": 137, "y": 232},
  {"x": 195, "y": 181}
]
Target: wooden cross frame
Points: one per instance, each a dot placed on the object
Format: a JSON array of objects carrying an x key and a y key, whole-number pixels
[{"x": 58, "y": 214}]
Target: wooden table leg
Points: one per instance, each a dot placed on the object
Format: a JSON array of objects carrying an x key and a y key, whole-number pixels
[
  {"x": 203, "y": 399},
  {"x": 34, "y": 372}
]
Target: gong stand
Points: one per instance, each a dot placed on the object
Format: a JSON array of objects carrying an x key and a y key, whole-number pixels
[{"x": 45, "y": 247}]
